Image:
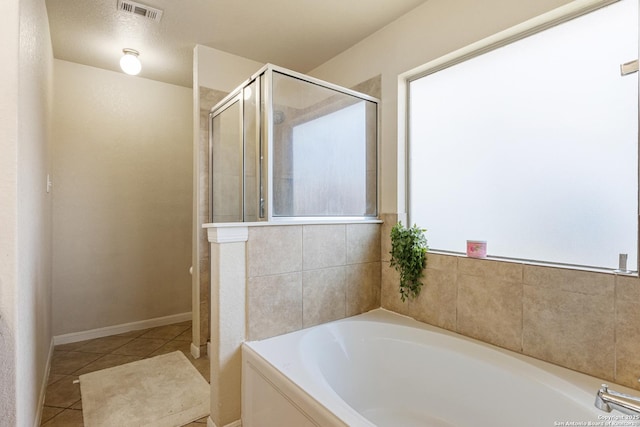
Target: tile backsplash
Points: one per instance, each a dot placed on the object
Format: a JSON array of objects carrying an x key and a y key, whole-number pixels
[
  {"x": 303, "y": 275},
  {"x": 585, "y": 321}
]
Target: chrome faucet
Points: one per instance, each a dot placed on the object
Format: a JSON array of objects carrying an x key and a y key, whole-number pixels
[{"x": 608, "y": 400}]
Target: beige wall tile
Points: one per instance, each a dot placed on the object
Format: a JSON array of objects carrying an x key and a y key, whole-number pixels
[
  {"x": 274, "y": 305},
  {"x": 323, "y": 246},
  {"x": 490, "y": 310},
  {"x": 363, "y": 287},
  {"x": 570, "y": 329},
  {"x": 363, "y": 243},
  {"x": 496, "y": 270},
  {"x": 274, "y": 250},
  {"x": 323, "y": 295},
  {"x": 627, "y": 331},
  {"x": 568, "y": 280},
  {"x": 437, "y": 301},
  {"x": 442, "y": 262},
  {"x": 390, "y": 294}
]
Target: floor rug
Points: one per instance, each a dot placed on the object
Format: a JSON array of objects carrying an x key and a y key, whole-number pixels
[{"x": 163, "y": 391}]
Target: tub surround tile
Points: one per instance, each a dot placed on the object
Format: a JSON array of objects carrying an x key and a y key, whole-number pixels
[
  {"x": 274, "y": 250},
  {"x": 627, "y": 330},
  {"x": 490, "y": 310},
  {"x": 571, "y": 329},
  {"x": 496, "y": 270},
  {"x": 274, "y": 305},
  {"x": 323, "y": 296},
  {"x": 442, "y": 262},
  {"x": 323, "y": 246},
  {"x": 390, "y": 293},
  {"x": 363, "y": 243},
  {"x": 363, "y": 287},
  {"x": 437, "y": 302},
  {"x": 577, "y": 281}
]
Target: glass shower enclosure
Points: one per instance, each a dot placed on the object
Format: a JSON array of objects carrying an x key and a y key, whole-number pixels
[{"x": 285, "y": 146}]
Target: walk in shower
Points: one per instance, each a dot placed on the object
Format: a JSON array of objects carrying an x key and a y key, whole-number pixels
[{"x": 286, "y": 146}]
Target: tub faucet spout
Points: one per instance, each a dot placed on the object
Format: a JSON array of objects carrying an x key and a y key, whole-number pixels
[{"x": 607, "y": 400}]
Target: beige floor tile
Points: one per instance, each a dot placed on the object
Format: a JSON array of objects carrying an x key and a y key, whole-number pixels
[
  {"x": 67, "y": 362},
  {"x": 185, "y": 336},
  {"x": 131, "y": 334},
  {"x": 140, "y": 347},
  {"x": 168, "y": 332},
  {"x": 55, "y": 377},
  {"x": 107, "y": 361},
  {"x": 66, "y": 418},
  {"x": 71, "y": 346},
  {"x": 183, "y": 346},
  {"x": 63, "y": 400},
  {"x": 62, "y": 393},
  {"x": 104, "y": 345},
  {"x": 49, "y": 412}
]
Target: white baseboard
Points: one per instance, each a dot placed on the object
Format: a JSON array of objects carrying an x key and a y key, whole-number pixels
[
  {"x": 195, "y": 351},
  {"x": 43, "y": 388},
  {"x": 120, "y": 329},
  {"x": 237, "y": 423}
]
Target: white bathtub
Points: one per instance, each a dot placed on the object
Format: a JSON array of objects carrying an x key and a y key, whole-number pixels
[{"x": 382, "y": 369}]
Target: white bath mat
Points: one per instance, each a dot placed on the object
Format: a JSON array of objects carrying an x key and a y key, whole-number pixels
[{"x": 163, "y": 391}]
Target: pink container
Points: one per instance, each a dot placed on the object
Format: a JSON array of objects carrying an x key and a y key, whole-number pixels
[{"x": 476, "y": 248}]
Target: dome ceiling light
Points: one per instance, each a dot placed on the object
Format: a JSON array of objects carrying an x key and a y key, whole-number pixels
[{"x": 130, "y": 63}]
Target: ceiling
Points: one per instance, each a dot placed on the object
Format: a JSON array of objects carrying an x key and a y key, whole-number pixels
[{"x": 295, "y": 34}]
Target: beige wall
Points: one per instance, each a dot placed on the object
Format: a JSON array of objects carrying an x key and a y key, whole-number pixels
[
  {"x": 426, "y": 33},
  {"x": 585, "y": 321},
  {"x": 25, "y": 210},
  {"x": 122, "y": 198},
  {"x": 215, "y": 74}
]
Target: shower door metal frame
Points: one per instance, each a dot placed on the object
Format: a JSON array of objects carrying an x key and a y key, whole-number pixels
[{"x": 264, "y": 104}]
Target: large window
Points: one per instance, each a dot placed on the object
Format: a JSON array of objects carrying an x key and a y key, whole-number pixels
[{"x": 533, "y": 146}]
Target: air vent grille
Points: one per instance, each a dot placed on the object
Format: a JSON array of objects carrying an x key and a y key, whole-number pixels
[{"x": 139, "y": 9}]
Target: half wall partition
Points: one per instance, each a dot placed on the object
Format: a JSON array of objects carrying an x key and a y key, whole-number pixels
[{"x": 285, "y": 146}]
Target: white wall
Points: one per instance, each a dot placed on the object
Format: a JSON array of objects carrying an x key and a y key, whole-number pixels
[
  {"x": 25, "y": 214},
  {"x": 122, "y": 198},
  {"x": 424, "y": 34}
]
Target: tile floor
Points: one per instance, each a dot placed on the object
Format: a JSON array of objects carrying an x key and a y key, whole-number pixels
[{"x": 63, "y": 403}]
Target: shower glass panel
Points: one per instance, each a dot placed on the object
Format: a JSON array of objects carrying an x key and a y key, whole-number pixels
[
  {"x": 325, "y": 155},
  {"x": 309, "y": 144},
  {"x": 227, "y": 164}
]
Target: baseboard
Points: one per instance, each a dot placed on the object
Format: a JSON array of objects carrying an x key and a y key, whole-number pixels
[
  {"x": 237, "y": 423},
  {"x": 120, "y": 329},
  {"x": 43, "y": 388},
  {"x": 195, "y": 351}
]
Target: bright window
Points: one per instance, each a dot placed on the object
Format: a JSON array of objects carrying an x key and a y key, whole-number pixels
[{"x": 533, "y": 146}]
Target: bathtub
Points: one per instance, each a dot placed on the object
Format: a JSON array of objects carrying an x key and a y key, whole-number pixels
[{"x": 383, "y": 369}]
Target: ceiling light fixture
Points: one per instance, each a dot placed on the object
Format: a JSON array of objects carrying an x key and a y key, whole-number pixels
[{"x": 130, "y": 63}]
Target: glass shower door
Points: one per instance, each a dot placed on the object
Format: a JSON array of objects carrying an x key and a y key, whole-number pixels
[{"x": 227, "y": 163}]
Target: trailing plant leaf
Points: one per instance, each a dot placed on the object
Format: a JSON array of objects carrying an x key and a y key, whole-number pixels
[{"x": 409, "y": 257}]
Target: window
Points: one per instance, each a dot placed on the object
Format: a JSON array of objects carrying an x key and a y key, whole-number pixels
[{"x": 533, "y": 146}]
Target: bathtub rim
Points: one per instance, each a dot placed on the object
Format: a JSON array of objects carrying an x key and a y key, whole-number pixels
[{"x": 580, "y": 382}]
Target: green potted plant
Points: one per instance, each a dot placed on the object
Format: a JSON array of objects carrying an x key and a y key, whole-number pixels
[{"x": 409, "y": 257}]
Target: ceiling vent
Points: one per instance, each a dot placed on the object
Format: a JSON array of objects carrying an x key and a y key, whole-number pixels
[{"x": 145, "y": 11}]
